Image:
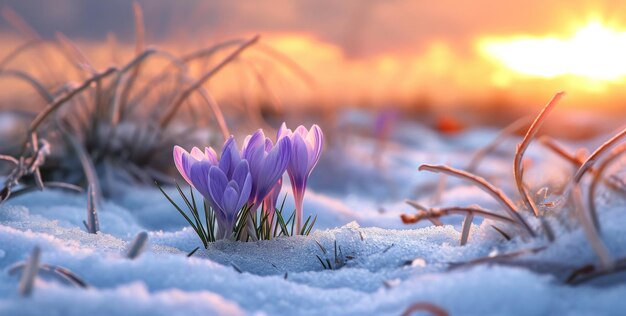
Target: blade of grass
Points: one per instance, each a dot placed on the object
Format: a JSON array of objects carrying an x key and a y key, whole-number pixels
[
  {"x": 496, "y": 193},
  {"x": 467, "y": 225},
  {"x": 169, "y": 114},
  {"x": 521, "y": 149}
]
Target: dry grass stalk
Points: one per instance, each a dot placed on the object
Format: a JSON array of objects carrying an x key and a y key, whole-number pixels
[
  {"x": 591, "y": 160},
  {"x": 38, "y": 86},
  {"x": 435, "y": 221},
  {"x": 507, "y": 132},
  {"x": 559, "y": 150},
  {"x": 169, "y": 114},
  {"x": 467, "y": 225},
  {"x": 41, "y": 116},
  {"x": 425, "y": 307},
  {"x": 498, "y": 258},
  {"x": 136, "y": 247},
  {"x": 521, "y": 149},
  {"x": 60, "y": 273},
  {"x": 576, "y": 161},
  {"x": 589, "y": 273},
  {"x": 598, "y": 246},
  {"x": 593, "y": 186},
  {"x": 496, "y": 193},
  {"x": 454, "y": 210},
  {"x": 27, "y": 280}
]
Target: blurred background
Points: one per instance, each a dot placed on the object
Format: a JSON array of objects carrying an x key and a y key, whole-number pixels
[{"x": 462, "y": 63}]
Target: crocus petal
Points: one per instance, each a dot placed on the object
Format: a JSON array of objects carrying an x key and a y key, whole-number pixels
[
  {"x": 314, "y": 140},
  {"x": 217, "y": 186},
  {"x": 298, "y": 163},
  {"x": 268, "y": 144},
  {"x": 283, "y": 131},
  {"x": 241, "y": 172},
  {"x": 301, "y": 130},
  {"x": 197, "y": 154},
  {"x": 252, "y": 142},
  {"x": 200, "y": 179},
  {"x": 230, "y": 199},
  {"x": 245, "y": 190},
  {"x": 273, "y": 167},
  {"x": 230, "y": 157},
  {"x": 179, "y": 153},
  {"x": 210, "y": 155}
]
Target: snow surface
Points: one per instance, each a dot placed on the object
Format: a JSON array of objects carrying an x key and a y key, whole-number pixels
[{"x": 388, "y": 265}]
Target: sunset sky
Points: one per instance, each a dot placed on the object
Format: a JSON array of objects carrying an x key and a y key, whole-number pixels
[{"x": 448, "y": 53}]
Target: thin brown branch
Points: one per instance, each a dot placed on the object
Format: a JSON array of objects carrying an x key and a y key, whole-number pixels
[{"x": 521, "y": 149}]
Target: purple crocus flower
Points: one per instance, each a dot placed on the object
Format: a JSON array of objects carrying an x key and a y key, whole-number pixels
[
  {"x": 184, "y": 160},
  {"x": 267, "y": 164},
  {"x": 306, "y": 148},
  {"x": 229, "y": 194},
  {"x": 225, "y": 184}
]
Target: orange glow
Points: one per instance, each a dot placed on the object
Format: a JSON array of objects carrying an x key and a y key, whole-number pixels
[{"x": 595, "y": 51}]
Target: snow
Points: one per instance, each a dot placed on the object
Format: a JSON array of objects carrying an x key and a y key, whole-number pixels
[{"x": 388, "y": 265}]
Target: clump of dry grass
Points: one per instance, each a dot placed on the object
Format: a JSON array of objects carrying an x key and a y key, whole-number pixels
[
  {"x": 569, "y": 203},
  {"x": 116, "y": 124}
]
